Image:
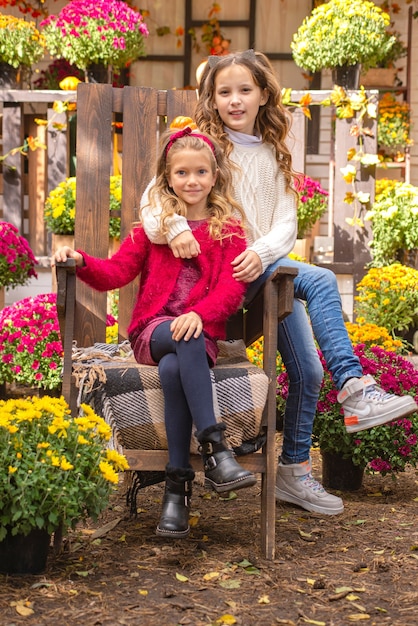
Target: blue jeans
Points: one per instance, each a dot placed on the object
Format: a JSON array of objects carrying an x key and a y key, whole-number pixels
[{"x": 318, "y": 287}]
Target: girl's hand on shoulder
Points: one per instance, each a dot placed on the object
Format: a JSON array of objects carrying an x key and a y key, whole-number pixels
[
  {"x": 64, "y": 253},
  {"x": 185, "y": 246},
  {"x": 247, "y": 266},
  {"x": 186, "y": 326}
]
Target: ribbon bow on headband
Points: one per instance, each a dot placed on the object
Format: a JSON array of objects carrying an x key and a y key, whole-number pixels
[
  {"x": 248, "y": 54},
  {"x": 188, "y": 131}
]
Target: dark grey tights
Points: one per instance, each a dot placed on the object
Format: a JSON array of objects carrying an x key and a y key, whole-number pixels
[{"x": 185, "y": 379}]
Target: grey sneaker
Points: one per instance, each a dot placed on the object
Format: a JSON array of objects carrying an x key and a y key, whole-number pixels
[
  {"x": 366, "y": 405},
  {"x": 295, "y": 484}
]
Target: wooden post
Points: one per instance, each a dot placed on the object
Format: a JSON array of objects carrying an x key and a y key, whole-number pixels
[
  {"x": 13, "y": 165},
  {"x": 36, "y": 189}
]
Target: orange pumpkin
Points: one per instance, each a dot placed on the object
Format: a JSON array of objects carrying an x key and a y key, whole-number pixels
[{"x": 182, "y": 121}]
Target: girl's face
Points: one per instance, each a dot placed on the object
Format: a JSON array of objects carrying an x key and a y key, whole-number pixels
[
  {"x": 237, "y": 98},
  {"x": 191, "y": 178}
]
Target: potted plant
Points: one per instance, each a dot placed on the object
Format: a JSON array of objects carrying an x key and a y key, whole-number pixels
[
  {"x": 17, "y": 261},
  {"x": 59, "y": 209},
  {"x": 393, "y": 125},
  {"x": 388, "y": 296},
  {"x": 394, "y": 221},
  {"x": 386, "y": 449},
  {"x": 341, "y": 34},
  {"x": 212, "y": 36},
  {"x": 30, "y": 344},
  {"x": 312, "y": 203},
  {"x": 21, "y": 45},
  {"x": 384, "y": 74},
  {"x": 56, "y": 71},
  {"x": 57, "y": 470},
  {"x": 106, "y": 32}
]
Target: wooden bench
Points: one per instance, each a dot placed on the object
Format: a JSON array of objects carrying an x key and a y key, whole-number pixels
[{"x": 82, "y": 311}]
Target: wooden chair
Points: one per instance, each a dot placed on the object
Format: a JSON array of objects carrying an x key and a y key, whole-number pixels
[{"x": 82, "y": 312}]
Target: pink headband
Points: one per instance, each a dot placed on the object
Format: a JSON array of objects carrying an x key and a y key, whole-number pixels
[{"x": 188, "y": 131}]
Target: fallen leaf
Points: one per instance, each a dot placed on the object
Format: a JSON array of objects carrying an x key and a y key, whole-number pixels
[
  {"x": 264, "y": 599},
  {"x": 230, "y": 495},
  {"x": 357, "y": 617},
  {"x": 23, "y": 607},
  {"x": 306, "y": 536},
  {"x": 233, "y": 605},
  {"x": 142, "y": 592},
  {"x": 194, "y": 519},
  {"x": 181, "y": 578},
  {"x": 211, "y": 576},
  {"x": 342, "y": 589},
  {"x": 106, "y": 528},
  {"x": 230, "y": 584},
  {"x": 312, "y": 621},
  {"x": 226, "y": 619}
]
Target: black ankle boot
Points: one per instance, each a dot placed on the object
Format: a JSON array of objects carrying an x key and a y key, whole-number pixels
[
  {"x": 222, "y": 471},
  {"x": 174, "y": 520}
]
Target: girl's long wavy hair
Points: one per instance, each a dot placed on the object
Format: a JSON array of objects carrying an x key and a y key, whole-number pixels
[
  {"x": 273, "y": 120},
  {"x": 221, "y": 206}
]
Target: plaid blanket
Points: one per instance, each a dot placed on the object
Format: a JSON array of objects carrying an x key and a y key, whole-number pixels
[{"x": 129, "y": 396}]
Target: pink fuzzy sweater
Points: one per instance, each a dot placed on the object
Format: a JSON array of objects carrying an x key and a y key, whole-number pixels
[{"x": 215, "y": 297}]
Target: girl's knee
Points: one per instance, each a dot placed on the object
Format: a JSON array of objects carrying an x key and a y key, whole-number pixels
[
  {"x": 168, "y": 367},
  {"x": 326, "y": 278},
  {"x": 308, "y": 374}
]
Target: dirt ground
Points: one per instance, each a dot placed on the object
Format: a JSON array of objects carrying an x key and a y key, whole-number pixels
[{"x": 358, "y": 567}]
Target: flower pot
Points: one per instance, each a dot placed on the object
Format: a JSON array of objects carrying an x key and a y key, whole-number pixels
[
  {"x": 347, "y": 76},
  {"x": 98, "y": 73},
  {"x": 8, "y": 76},
  {"x": 408, "y": 257},
  {"x": 379, "y": 77},
  {"x": 339, "y": 473},
  {"x": 302, "y": 248},
  {"x": 24, "y": 554}
]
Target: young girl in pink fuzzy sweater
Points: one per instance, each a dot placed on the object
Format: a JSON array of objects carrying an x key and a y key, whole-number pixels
[{"x": 181, "y": 310}]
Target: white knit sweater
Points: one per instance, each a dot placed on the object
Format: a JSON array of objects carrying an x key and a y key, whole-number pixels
[{"x": 260, "y": 189}]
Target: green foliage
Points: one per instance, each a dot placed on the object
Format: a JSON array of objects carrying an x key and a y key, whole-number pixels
[
  {"x": 85, "y": 32},
  {"x": 56, "y": 469},
  {"x": 386, "y": 449},
  {"x": 59, "y": 210},
  {"x": 342, "y": 32},
  {"x": 394, "y": 220},
  {"x": 388, "y": 296},
  {"x": 17, "y": 261},
  {"x": 21, "y": 43}
]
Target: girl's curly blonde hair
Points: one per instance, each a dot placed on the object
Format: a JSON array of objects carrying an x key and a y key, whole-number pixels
[{"x": 221, "y": 206}]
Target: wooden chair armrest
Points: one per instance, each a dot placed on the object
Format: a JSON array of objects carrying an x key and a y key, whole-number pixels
[
  {"x": 283, "y": 278},
  {"x": 278, "y": 291}
]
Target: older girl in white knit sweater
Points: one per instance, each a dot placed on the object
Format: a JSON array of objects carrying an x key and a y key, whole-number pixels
[{"x": 240, "y": 104}]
